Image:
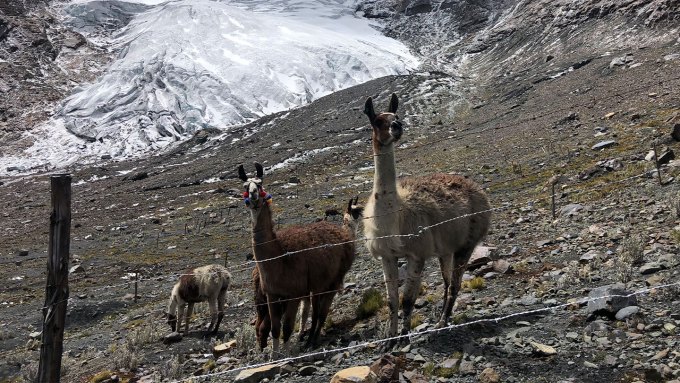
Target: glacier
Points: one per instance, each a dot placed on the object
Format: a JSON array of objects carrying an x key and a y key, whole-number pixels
[{"x": 187, "y": 65}]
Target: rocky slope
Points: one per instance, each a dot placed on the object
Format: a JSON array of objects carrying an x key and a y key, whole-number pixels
[{"x": 491, "y": 106}]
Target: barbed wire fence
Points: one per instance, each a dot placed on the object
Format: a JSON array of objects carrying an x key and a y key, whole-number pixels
[
  {"x": 134, "y": 279},
  {"x": 201, "y": 222},
  {"x": 416, "y": 334}
]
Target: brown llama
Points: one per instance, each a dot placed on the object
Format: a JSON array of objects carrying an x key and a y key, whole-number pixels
[
  {"x": 312, "y": 268},
  {"x": 262, "y": 322},
  {"x": 405, "y": 206},
  {"x": 206, "y": 283}
]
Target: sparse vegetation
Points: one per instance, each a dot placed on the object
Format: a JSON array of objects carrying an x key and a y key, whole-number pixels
[
  {"x": 371, "y": 301},
  {"x": 416, "y": 320},
  {"x": 476, "y": 283},
  {"x": 631, "y": 255},
  {"x": 172, "y": 369},
  {"x": 101, "y": 376},
  {"x": 245, "y": 338}
]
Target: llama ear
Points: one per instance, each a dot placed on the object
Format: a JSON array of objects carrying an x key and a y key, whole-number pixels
[
  {"x": 259, "y": 169},
  {"x": 394, "y": 103},
  {"x": 368, "y": 109},
  {"x": 349, "y": 207},
  {"x": 242, "y": 173}
]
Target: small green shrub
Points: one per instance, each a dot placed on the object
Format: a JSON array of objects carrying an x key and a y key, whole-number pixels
[
  {"x": 101, "y": 376},
  {"x": 476, "y": 283},
  {"x": 371, "y": 302},
  {"x": 416, "y": 320}
]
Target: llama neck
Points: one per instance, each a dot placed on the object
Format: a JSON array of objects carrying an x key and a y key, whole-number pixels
[
  {"x": 265, "y": 245},
  {"x": 385, "y": 179}
]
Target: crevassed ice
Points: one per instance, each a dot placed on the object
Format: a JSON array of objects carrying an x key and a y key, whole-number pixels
[{"x": 192, "y": 64}]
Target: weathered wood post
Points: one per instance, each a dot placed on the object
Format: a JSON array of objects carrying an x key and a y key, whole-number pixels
[
  {"x": 57, "y": 290},
  {"x": 658, "y": 166},
  {"x": 136, "y": 281}
]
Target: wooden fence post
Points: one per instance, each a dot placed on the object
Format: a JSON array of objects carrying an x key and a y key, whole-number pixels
[
  {"x": 658, "y": 167},
  {"x": 136, "y": 280},
  {"x": 57, "y": 290}
]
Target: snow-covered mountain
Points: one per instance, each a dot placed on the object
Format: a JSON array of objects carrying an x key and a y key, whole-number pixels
[{"x": 186, "y": 65}]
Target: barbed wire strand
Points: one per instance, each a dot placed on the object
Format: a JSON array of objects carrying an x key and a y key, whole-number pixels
[
  {"x": 242, "y": 266},
  {"x": 430, "y": 331}
]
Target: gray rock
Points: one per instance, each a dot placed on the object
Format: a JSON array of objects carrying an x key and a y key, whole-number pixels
[
  {"x": 589, "y": 256},
  {"x": 451, "y": 363},
  {"x": 675, "y": 133},
  {"x": 666, "y": 157},
  {"x": 172, "y": 338},
  {"x": 76, "y": 269},
  {"x": 481, "y": 256},
  {"x": 22, "y": 253},
  {"x": 621, "y": 61},
  {"x": 627, "y": 312},
  {"x": 294, "y": 180},
  {"x": 571, "y": 209},
  {"x": 35, "y": 335},
  {"x": 502, "y": 266},
  {"x": 307, "y": 370},
  {"x": 74, "y": 40},
  {"x": 607, "y": 304},
  {"x": 418, "y": 6},
  {"x": 604, "y": 144},
  {"x": 386, "y": 368},
  {"x": 651, "y": 268},
  {"x": 466, "y": 368},
  {"x": 136, "y": 176}
]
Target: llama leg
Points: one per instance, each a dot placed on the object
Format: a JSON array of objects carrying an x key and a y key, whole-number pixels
[
  {"x": 190, "y": 312},
  {"x": 212, "y": 303},
  {"x": 459, "y": 266},
  {"x": 220, "y": 309},
  {"x": 180, "y": 316},
  {"x": 391, "y": 275},
  {"x": 316, "y": 310},
  {"x": 275, "y": 313},
  {"x": 446, "y": 267},
  {"x": 324, "y": 308},
  {"x": 303, "y": 317},
  {"x": 414, "y": 270},
  {"x": 288, "y": 325}
]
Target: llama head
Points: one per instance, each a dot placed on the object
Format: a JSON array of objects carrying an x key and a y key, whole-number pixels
[
  {"x": 353, "y": 212},
  {"x": 254, "y": 195},
  {"x": 387, "y": 128}
]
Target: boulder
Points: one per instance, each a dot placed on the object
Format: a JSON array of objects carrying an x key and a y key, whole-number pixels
[
  {"x": 608, "y": 300},
  {"x": 258, "y": 374},
  {"x": 223, "y": 348},
  {"x": 489, "y": 375},
  {"x": 359, "y": 374},
  {"x": 571, "y": 209},
  {"x": 386, "y": 369},
  {"x": 481, "y": 256},
  {"x": 627, "y": 312}
]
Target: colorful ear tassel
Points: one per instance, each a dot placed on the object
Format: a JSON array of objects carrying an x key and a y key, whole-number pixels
[{"x": 266, "y": 196}]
